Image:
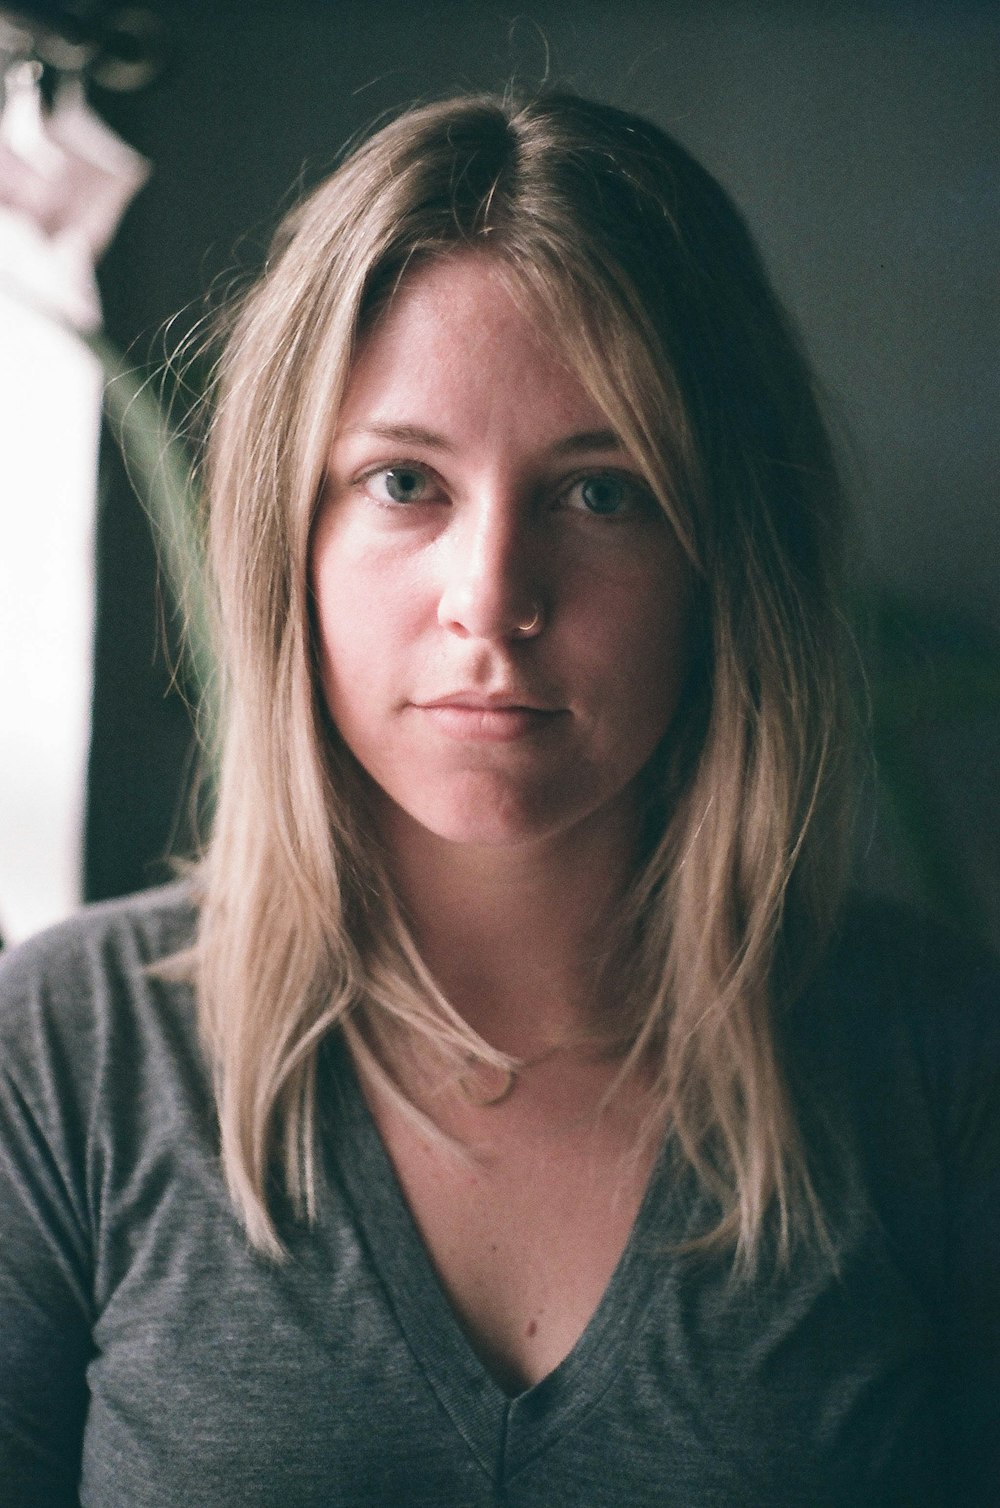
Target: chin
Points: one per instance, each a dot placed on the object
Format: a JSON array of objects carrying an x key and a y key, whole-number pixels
[
  {"x": 496, "y": 825},
  {"x": 495, "y": 815}
]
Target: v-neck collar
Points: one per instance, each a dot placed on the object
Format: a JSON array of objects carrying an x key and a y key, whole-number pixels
[{"x": 503, "y": 1433}]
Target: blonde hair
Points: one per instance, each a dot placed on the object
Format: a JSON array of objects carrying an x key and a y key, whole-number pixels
[{"x": 649, "y": 281}]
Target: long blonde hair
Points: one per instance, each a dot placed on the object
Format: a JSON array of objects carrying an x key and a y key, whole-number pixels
[{"x": 648, "y": 279}]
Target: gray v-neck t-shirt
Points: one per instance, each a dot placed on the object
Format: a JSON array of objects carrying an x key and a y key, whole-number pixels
[{"x": 149, "y": 1357}]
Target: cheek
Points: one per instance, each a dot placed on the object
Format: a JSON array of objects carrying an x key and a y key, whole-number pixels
[
  {"x": 651, "y": 698},
  {"x": 643, "y": 644},
  {"x": 364, "y": 619},
  {"x": 338, "y": 623},
  {"x": 349, "y": 649}
]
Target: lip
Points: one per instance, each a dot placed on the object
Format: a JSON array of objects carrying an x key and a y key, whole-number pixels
[
  {"x": 488, "y": 717},
  {"x": 488, "y": 701}
]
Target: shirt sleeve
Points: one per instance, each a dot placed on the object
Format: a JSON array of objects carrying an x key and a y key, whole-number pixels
[
  {"x": 901, "y": 1045},
  {"x": 961, "y": 1055},
  {"x": 45, "y": 1260}
]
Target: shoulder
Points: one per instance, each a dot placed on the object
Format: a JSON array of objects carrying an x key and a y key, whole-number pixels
[
  {"x": 897, "y": 1043},
  {"x": 81, "y": 1000},
  {"x": 100, "y": 954},
  {"x": 103, "y": 1095},
  {"x": 133, "y": 932},
  {"x": 895, "y": 953},
  {"x": 899, "y": 985}
]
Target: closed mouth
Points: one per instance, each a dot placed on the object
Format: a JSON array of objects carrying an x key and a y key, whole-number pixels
[
  {"x": 498, "y": 719},
  {"x": 478, "y": 701}
]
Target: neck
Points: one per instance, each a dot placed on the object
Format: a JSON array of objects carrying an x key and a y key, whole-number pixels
[{"x": 516, "y": 936}]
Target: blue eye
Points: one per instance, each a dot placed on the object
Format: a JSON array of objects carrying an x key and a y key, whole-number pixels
[
  {"x": 606, "y": 494},
  {"x": 403, "y": 484}
]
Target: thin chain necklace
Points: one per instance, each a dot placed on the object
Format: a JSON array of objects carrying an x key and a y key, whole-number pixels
[{"x": 478, "y": 1093}]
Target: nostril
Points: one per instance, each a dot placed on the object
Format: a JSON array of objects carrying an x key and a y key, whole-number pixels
[{"x": 498, "y": 615}]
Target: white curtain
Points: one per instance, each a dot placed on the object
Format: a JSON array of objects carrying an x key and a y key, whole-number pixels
[{"x": 64, "y": 180}]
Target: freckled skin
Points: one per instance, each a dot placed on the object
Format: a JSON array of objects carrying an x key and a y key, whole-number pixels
[{"x": 430, "y": 552}]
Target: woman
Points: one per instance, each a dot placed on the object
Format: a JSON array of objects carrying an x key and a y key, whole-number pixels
[{"x": 576, "y": 1146}]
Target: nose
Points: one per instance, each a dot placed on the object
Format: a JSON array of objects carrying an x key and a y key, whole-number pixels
[{"x": 491, "y": 587}]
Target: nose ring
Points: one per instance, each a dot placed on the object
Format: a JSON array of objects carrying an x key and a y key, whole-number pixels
[{"x": 532, "y": 625}]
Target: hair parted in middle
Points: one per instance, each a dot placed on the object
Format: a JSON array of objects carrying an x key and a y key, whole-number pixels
[{"x": 643, "y": 275}]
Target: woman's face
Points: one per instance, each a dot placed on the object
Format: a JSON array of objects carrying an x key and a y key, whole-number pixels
[{"x": 501, "y": 606}]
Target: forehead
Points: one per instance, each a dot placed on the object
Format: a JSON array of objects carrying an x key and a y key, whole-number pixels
[{"x": 459, "y": 332}]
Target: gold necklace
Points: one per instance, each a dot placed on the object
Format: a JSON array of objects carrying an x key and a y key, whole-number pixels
[
  {"x": 508, "y": 1076},
  {"x": 484, "y": 1097}
]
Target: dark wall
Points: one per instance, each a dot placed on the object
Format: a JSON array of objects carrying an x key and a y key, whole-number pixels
[{"x": 862, "y": 142}]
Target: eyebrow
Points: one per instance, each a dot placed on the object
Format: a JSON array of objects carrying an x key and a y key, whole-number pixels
[
  {"x": 411, "y": 434},
  {"x": 414, "y": 434},
  {"x": 588, "y": 439}
]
